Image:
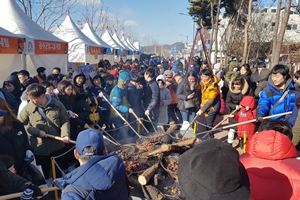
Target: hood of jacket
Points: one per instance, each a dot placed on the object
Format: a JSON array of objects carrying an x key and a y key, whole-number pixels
[
  {"x": 288, "y": 85},
  {"x": 271, "y": 145},
  {"x": 264, "y": 74},
  {"x": 243, "y": 91},
  {"x": 248, "y": 101},
  {"x": 28, "y": 82},
  {"x": 75, "y": 75},
  {"x": 100, "y": 173},
  {"x": 232, "y": 65},
  {"x": 123, "y": 78},
  {"x": 94, "y": 75},
  {"x": 14, "y": 80}
]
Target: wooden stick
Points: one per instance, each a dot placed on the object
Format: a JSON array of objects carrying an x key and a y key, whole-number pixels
[
  {"x": 19, "y": 194},
  {"x": 120, "y": 115},
  {"x": 146, "y": 175},
  {"x": 185, "y": 143},
  {"x": 166, "y": 148},
  {"x": 224, "y": 119},
  {"x": 154, "y": 193},
  {"x": 149, "y": 118},
  {"x": 59, "y": 138},
  {"x": 246, "y": 122},
  {"x": 171, "y": 129},
  {"x": 140, "y": 121}
]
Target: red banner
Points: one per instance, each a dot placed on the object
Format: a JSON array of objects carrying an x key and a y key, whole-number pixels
[
  {"x": 95, "y": 50},
  {"x": 11, "y": 45},
  {"x": 50, "y": 47}
]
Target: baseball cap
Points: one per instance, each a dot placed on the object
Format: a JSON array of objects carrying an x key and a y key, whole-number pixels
[{"x": 90, "y": 137}]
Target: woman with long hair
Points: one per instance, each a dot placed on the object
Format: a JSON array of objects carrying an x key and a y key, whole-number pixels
[
  {"x": 68, "y": 94},
  {"x": 13, "y": 137},
  {"x": 189, "y": 98}
]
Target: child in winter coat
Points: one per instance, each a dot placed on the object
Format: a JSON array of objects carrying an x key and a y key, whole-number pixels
[
  {"x": 247, "y": 112},
  {"x": 165, "y": 100}
]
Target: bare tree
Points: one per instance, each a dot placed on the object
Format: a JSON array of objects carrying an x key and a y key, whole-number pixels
[
  {"x": 278, "y": 34},
  {"x": 246, "y": 47},
  {"x": 50, "y": 12}
]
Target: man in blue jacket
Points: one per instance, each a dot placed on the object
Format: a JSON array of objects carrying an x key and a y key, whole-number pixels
[
  {"x": 119, "y": 100},
  {"x": 100, "y": 176},
  {"x": 278, "y": 97}
]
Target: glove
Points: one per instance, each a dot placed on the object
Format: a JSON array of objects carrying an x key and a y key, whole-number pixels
[
  {"x": 28, "y": 155},
  {"x": 36, "y": 190},
  {"x": 199, "y": 112},
  {"x": 147, "y": 112},
  {"x": 260, "y": 119}
]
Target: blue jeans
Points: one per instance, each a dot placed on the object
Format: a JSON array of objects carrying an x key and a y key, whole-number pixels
[
  {"x": 118, "y": 123},
  {"x": 189, "y": 115}
]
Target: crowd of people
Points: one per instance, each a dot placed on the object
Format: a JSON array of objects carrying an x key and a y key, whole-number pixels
[{"x": 166, "y": 91}]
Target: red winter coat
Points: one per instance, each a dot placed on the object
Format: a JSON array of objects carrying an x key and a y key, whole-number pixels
[
  {"x": 272, "y": 167},
  {"x": 244, "y": 115}
]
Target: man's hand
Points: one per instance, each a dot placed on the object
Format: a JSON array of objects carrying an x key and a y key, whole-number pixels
[
  {"x": 66, "y": 139},
  {"x": 199, "y": 112},
  {"x": 147, "y": 112},
  {"x": 131, "y": 110},
  {"x": 72, "y": 114},
  {"x": 101, "y": 94},
  {"x": 42, "y": 134},
  {"x": 231, "y": 116}
]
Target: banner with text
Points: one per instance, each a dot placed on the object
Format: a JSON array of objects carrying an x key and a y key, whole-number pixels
[
  {"x": 50, "y": 47},
  {"x": 11, "y": 45}
]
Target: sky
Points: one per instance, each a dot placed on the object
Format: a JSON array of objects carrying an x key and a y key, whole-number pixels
[{"x": 160, "y": 19}]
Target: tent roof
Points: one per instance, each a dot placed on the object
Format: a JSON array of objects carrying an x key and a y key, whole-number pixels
[
  {"x": 16, "y": 21},
  {"x": 106, "y": 37},
  {"x": 125, "y": 43},
  {"x": 87, "y": 30},
  {"x": 5, "y": 32},
  {"x": 69, "y": 32},
  {"x": 116, "y": 38},
  {"x": 128, "y": 42}
]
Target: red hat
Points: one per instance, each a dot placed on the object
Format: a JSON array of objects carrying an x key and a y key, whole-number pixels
[{"x": 114, "y": 72}]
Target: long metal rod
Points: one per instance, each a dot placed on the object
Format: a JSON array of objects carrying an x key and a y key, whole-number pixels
[
  {"x": 151, "y": 123},
  {"x": 120, "y": 116},
  {"x": 104, "y": 131},
  {"x": 140, "y": 121},
  {"x": 246, "y": 122}
]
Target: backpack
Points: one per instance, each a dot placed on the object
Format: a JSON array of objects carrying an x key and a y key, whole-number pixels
[{"x": 10, "y": 99}]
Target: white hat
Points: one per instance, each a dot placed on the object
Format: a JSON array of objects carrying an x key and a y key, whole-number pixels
[{"x": 161, "y": 77}]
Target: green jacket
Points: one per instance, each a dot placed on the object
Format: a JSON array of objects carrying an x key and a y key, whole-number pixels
[{"x": 34, "y": 122}]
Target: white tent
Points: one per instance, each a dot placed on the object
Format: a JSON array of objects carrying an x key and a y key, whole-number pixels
[
  {"x": 106, "y": 37},
  {"x": 129, "y": 43},
  {"x": 126, "y": 44},
  {"x": 81, "y": 48},
  {"x": 42, "y": 48},
  {"x": 87, "y": 30},
  {"x": 11, "y": 52}
]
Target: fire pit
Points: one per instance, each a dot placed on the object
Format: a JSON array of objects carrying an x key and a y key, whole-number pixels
[{"x": 170, "y": 164}]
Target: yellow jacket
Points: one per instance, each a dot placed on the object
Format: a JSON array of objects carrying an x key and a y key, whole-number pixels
[{"x": 210, "y": 94}]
